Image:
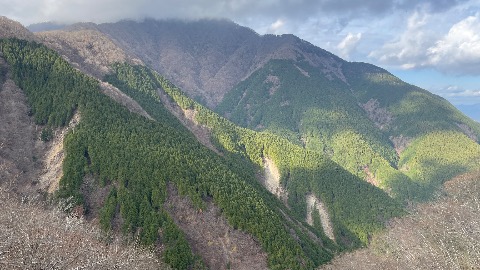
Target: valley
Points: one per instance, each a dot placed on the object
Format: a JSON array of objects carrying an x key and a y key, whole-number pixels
[{"x": 211, "y": 146}]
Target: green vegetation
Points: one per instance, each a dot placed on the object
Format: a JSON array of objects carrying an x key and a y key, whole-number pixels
[
  {"x": 139, "y": 157},
  {"x": 416, "y": 112},
  {"x": 324, "y": 113},
  {"x": 439, "y": 156},
  {"x": 358, "y": 208}
]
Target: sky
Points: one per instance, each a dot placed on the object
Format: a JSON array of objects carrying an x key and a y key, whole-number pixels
[{"x": 434, "y": 44}]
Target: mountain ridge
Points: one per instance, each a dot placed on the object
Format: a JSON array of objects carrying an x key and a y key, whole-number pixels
[{"x": 363, "y": 135}]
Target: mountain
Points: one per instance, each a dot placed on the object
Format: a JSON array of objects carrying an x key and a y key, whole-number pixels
[
  {"x": 359, "y": 115},
  {"x": 12, "y": 28},
  {"x": 205, "y": 58},
  {"x": 219, "y": 147},
  {"x": 45, "y": 26}
]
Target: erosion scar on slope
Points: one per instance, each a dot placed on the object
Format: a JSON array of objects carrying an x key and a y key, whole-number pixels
[
  {"x": 272, "y": 180},
  {"x": 210, "y": 236},
  {"x": 187, "y": 118},
  {"x": 53, "y": 159},
  {"x": 314, "y": 204}
]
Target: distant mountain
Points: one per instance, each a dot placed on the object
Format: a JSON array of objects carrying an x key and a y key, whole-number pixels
[
  {"x": 46, "y": 26},
  {"x": 472, "y": 111},
  {"x": 207, "y": 58}
]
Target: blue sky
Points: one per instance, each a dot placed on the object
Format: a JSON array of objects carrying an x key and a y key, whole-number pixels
[{"x": 434, "y": 44}]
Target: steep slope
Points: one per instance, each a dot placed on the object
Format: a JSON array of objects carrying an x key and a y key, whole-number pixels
[
  {"x": 206, "y": 58},
  {"x": 87, "y": 49},
  {"x": 150, "y": 176},
  {"x": 437, "y": 235},
  {"x": 367, "y": 121},
  {"x": 10, "y": 29},
  {"x": 133, "y": 159},
  {"x": 359, "y": 210},
  {"x": 359, "y": 115}
]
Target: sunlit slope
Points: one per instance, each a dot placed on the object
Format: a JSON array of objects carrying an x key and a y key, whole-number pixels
[
  {"x": 364, "y": 121},
  {"x": 358, "y": 208}
]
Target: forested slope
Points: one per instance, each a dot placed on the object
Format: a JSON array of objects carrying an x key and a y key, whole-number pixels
[
  {"x": 135, "y": 158},
  {"x": 359, "y": 209},
  {"x": 326, "y": 124},
  {"x": 364, "y": 122}
]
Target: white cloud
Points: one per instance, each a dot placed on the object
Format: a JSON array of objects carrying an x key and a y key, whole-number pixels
[
  {"x": 408, "y": 51},
  {"x": 459, "y": 95},
  {"x": 431, "y": 41},
  {"x": 276, "y": 27},
  {"x": 459, "y": 50},
  {"x": 348, "y": 44}
]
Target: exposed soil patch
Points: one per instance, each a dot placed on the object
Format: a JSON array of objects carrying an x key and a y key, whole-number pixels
[
  {"x": 400, "y": 143},
  {"x": 370, "y": 177},
  {"x": 380, "y": 116},
  {"x": 210, "y": 235},
  {"x": 275, "y": 81},
  {"x": 121, "y": 98},
  {"x": 271, "y": 180},
  {"x": 314, "y": 204},
  {"x": 187, "y": 118},
  {"x": 304, "y": 73},
  {"x": 53, "y": 158},
  {"x": 468, "y": 131}
]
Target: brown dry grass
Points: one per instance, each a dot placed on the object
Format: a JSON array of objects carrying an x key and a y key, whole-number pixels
[
  {"x": 210, "y": 236},
  {"x": 34, "y": 235},
  {"x": 444, "y": 234}
]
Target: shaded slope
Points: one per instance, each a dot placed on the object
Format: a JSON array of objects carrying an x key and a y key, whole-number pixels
[{"x": 207, "y": 58}]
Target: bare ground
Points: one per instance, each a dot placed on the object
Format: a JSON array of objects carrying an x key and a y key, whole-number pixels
[
  {"x": 444, "y": 234},
  {"x": 53, "y": 158},
  {"x": 271, "y": 180},
  {"x": 314, "y": 204},
  {"x": 187, "y": 118},
  {"x": 210, "y": 236}
]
